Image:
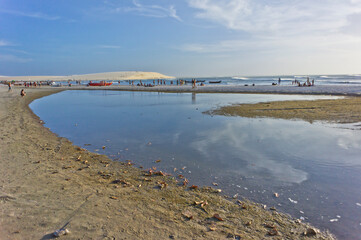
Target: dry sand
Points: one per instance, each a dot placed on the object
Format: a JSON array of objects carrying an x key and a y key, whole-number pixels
[{"x": 46, "y": 182}]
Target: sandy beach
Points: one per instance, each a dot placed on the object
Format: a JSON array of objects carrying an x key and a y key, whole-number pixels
[{"x": 46, "y": 183}]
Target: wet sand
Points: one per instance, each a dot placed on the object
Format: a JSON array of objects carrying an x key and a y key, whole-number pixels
[
  {"x": 46, "y": 182},
  {"x": 345, "y": 110},
  {"x": 339, "y": 90}
]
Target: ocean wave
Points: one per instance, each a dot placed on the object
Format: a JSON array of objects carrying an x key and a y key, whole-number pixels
[
  {"x": 348, "y": 82},
  {"x": 240, "y": 78}
]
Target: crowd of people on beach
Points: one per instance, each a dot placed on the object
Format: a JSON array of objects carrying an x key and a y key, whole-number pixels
[
  {"x": 160, "y": 82},
  {"x": 308, "y": 83},
  {"x": 22, "y": 92}
]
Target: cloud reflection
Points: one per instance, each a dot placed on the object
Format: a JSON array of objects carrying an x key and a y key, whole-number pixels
[{"x": 238, "y": 147}]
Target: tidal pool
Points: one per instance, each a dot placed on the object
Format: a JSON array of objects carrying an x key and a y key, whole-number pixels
[{"x": 315, "y": 168}]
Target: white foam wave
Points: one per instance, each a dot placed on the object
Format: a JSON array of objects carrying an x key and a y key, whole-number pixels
[{"x": 241, "y": 78}]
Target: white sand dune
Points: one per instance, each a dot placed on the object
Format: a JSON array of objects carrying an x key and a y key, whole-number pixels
[{"x": 118, "y": 76}]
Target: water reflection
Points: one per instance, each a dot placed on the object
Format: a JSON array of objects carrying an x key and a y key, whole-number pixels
[
  {"x": 241, "y": 147},
  {"x": 193, "y": 98}
]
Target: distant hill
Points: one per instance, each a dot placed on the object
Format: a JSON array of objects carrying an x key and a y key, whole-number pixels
[{"x": 118, "y": 76}]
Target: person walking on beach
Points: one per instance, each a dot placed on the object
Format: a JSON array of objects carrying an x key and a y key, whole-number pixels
[{"x": 9, "y": 86}]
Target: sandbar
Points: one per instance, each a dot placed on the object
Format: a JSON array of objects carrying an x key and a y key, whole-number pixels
[{"x": 346, "y": 110}]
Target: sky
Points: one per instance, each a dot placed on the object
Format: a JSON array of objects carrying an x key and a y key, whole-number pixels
[{"x": 182, "y": 38}]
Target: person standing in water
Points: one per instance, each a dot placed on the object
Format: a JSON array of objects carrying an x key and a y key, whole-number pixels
[{"x": 279, "y": 81}]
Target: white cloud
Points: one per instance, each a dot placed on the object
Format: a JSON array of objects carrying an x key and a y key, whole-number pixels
[
  {"x": 297, "y": 26},
  {"x": 286, "y": 17},
  {"x": 30, "y": 14},
  {"x": 149, "y": 10},
  {"x": 4, "y": 43},
  {"x": 353, "y": 26},
  {"x": 300, "y": 44},
  {"x": 227, "y": 13}
]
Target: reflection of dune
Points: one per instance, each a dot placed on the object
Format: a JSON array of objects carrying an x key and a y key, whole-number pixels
[{"x": 239, "y": 150}]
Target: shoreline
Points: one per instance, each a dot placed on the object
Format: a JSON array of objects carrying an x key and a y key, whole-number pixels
[
  {"x": 336, "y": 90},
  {"x": 48, "y": 182}
]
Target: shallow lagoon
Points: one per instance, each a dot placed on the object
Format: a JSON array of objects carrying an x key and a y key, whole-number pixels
[{"x": 315, "y": 167}]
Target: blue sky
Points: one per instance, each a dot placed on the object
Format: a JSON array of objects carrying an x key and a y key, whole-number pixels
[{"x": 180, "y": 37}]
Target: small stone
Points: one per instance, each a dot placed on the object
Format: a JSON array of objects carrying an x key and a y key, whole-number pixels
[
  {"x": 61, "y": 232},
  {"x": 270, "y": 225},
  {"x": 219, "y": 218},
  {"x": 276, "y": 195},
  {"x": 310, "y": 232},
  {"x": 273, "y": 232},
  {"x": 230, "y": 235},
  {"x": 212, "y": 228},
  {"x": 188, "y": 215}
]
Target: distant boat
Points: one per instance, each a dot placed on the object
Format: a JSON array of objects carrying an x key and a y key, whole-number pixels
[
  {"x": 101, "y": 83},
  {"x": 215, "y": 81}
]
